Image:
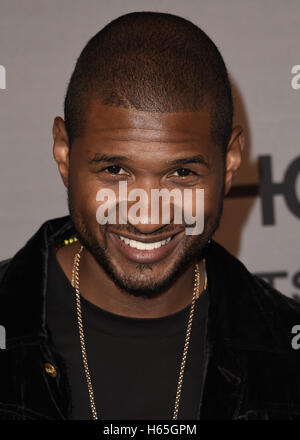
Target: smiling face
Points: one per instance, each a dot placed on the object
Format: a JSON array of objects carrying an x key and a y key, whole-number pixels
[{"x": 148, "y": 151}]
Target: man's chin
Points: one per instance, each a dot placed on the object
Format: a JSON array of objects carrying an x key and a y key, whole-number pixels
[
  {"x": 142, "y": 291},
  {"x": 145, "y": 280},
  {"x": 147, "y": 285}
]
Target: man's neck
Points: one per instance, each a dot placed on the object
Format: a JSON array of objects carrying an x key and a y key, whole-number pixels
[{"x": 111, "y": 298}]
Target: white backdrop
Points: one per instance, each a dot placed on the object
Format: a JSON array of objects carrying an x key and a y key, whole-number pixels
[{"x": 259, "y": 40}]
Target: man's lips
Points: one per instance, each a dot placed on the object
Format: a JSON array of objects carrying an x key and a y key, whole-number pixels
[{"x": 145, "y": 255}]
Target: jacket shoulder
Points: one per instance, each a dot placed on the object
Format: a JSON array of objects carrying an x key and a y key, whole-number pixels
[
  {"x": 275, "y": 302},
  {"x": 257, "y": 287},
  {"x": 3, "y": 266},
  {"x": 260, "y": 316}
]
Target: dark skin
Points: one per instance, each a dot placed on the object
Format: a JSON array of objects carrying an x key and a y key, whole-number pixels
[{"x": 148, "y": 141}]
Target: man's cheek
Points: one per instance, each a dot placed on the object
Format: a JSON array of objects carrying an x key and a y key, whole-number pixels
[
  {"x": 194, "y": 211},
  {"x": 85, "y": 200},
  {"x": 83, "y": 214}
]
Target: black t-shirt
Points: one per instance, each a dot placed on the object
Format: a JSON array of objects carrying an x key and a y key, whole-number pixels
[{"x": 134, "y": 363}]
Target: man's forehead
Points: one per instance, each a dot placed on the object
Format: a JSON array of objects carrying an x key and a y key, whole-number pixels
[{"x": 127, "y": 123}]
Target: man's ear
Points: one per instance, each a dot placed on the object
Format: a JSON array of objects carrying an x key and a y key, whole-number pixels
[
  {"x": 61, "y": 148},
  {"x": 233, "y": 156}
]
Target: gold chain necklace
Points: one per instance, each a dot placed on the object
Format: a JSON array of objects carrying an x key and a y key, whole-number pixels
[{"x": 75, "y": 284}]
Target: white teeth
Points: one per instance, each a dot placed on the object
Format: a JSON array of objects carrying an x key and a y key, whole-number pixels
[{"x": 144, "y": 246}]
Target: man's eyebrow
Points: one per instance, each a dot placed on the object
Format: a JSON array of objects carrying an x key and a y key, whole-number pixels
[
  {"x": 192, "y": 159},
  {"x": 117, "y": 158},
  {"x": 108, "y": 158}
]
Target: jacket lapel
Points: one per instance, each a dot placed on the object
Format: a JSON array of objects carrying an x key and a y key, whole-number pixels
[
  {"x": 224, "y": 373},
  {"x": 229, "y": 330}
]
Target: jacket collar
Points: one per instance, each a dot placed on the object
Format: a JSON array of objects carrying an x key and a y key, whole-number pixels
[{"x": 23, "y": 285}]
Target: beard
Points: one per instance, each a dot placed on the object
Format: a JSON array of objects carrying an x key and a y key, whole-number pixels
[{"x": 193, "y": 250}]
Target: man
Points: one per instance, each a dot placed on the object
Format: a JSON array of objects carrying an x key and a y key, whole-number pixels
[{"x": 139, "y": 319}]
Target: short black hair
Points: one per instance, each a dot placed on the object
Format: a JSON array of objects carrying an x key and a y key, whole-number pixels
[{"x": 154, "y": 62}]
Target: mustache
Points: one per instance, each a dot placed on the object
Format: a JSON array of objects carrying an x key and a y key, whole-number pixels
[{"x": 131, "y": 229}]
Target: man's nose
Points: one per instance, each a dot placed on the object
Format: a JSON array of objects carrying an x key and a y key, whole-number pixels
[{"x": 146, "y": 213}]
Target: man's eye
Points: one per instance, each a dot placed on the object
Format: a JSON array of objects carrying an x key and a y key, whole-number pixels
[
  {"x": 183, "y": 172},
  {"x": 115, "y": 169}
]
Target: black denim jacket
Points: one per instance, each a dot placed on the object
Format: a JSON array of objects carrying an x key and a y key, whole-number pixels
[{"x": 251, "y": 369}]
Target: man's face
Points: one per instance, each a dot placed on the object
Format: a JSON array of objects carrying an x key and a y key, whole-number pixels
[{"x": 141, "y": 148}]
